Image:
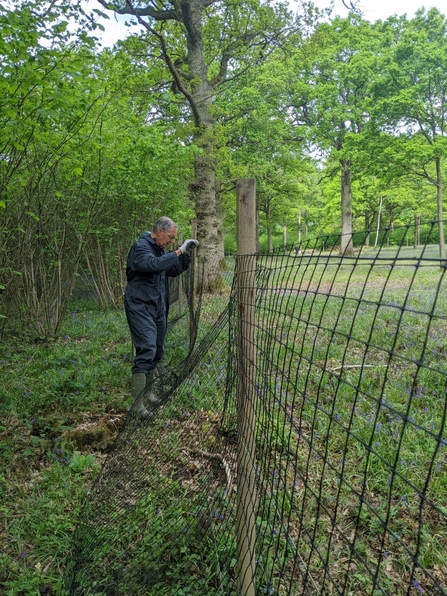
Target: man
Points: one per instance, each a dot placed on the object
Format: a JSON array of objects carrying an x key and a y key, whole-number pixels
[{"x": 146, "y": 299}]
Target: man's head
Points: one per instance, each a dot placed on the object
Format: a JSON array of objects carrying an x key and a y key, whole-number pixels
[{"x": 164, "y": 232}]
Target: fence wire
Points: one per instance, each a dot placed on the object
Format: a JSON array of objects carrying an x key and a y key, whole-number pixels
[{"x": 350, "y": 465}]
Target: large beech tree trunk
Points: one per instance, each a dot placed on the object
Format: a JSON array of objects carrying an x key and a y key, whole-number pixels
[
  {"x": 208, "y": 211},
  {"x": 209, "y": 216}
]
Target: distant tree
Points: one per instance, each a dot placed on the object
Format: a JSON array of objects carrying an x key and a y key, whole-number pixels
[
  {"x": 411, "y": 100},
  {"x": 256, "y": 140},
  {"x": 328, "y": 99}
]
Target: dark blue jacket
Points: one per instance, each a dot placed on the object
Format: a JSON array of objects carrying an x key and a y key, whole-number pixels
[{"x": 147, "y": 272}]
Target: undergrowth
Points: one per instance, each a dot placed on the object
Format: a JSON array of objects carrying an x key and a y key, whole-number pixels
[
  {"x": 348, "y": 384},
  {"x": 50, "y": 388}
]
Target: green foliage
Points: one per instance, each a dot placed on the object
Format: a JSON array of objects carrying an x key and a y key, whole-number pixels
[
  {"x": 79, "y": 462},
  {"x": 47, "y": 387},
  {"x": 89, "y": 158},
  {"x": 40, "y": 502},
  {"x": 76, "y": 184},
  {"x": 408, "y": 93},
  {"x": 87, "y": 366}
]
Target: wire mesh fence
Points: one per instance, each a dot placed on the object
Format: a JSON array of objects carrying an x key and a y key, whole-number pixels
[{"x": 348, "y": 387}]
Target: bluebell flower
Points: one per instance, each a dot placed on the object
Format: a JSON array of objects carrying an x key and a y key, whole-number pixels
[{"x": 418, "y": 587}]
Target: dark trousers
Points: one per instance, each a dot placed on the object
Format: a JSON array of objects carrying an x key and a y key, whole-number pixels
[{"x": 148, "y": 335}]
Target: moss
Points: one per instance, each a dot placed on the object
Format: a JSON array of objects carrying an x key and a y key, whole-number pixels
[{"x": 89, "y": 434}]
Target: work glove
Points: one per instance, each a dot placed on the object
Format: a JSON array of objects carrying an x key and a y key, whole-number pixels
[{"x": 188, "y": 245}]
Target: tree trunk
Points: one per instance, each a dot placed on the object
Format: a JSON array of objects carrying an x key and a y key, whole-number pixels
[
  {"x": 417, "y": 231},
  {"x": 379, "y": 216},
  {"x": 346, "y": 246},
  {"x": 209, "y": 226},
  {"x": 269, "y": 228},
  {"x": 209, "y": 229},
  {"x": 367, "y": 229},
  {"x": 219, "y": 213},
  {"x": 269, "y": 236},
  {"x": 440, "y": 214}
]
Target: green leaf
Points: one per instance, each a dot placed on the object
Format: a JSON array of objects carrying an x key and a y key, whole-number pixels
[
  {"x": 33, "y": 215},
  {"x": 90, "y": 460},
  {"x": 101, "y": 14}
]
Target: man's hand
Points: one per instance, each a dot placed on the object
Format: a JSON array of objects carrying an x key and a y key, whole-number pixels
[{"x": 188, "y": 245}]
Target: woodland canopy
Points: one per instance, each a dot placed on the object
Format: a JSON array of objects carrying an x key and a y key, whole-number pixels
[{"x": 341, "y": 121}]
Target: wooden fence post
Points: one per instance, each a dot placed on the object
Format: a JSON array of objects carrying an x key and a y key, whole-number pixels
[
  {"x": 192, "y": 312},
  {"x": 180, "y": 283},
  {"x": 246, "y": 385}
]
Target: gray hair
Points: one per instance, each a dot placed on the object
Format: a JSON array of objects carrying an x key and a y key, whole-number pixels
[{"x": 165, "y": 224}]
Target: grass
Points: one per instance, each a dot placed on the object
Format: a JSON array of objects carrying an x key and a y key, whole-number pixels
[
  {"x": 351, "y": 391},
  {"x": 355, "y": 397},
  {"x": 53, "y": 394},
  {"x": 48, "y": 389}
]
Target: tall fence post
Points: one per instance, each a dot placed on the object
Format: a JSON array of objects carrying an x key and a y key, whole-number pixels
[
  {"x": 192, "y": 312},
  {"x": 180, "y": 283},
  {"x": 246, "y": 384}
]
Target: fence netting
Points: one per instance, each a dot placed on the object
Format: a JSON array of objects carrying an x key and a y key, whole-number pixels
[{"x": 347, "y": 377}]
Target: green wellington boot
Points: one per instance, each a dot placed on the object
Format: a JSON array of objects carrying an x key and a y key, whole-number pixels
[
  {"x": 151, "y": 398},
  {"x": 138, "y": 385}
]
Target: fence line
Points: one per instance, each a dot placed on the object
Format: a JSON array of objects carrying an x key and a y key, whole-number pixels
[{"x": 351, "y": 440}]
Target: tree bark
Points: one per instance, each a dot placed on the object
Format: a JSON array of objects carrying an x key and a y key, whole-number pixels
[
  {"x": 209, "y": 226},
  {"x": 346, "y": 246},
  {"x": 269, "y": 237},
  {"x": 219, "y": 214},
  {"x": 440, "y": 214},
  {"x": 417, "y": 231},
  {"x": 368, "y": 220},
  {"x": 379, "y": 217}
]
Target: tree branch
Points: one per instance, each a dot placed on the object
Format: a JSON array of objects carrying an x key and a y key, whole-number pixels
[
  {"x": 334, "y": 171},
  {"x": 169, "y": 63},
  {"x": 351, "y": 5},
  {"x": 158, "y": 15}
]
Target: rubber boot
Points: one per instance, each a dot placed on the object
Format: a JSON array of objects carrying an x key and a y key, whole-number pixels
[
  {"x": 138, "y": 385},
  {"x": 151, "y": 398}
]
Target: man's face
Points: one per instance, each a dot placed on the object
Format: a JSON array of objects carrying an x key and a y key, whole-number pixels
[{"x": 163, "y": 238}]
